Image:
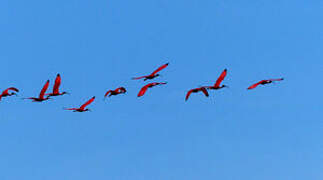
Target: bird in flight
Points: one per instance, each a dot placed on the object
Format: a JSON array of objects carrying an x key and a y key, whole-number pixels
[
  {"x": 56, "y": 87},
  {"x": 150, "y": 85},
  {"x": 153, "y": 74},
  {"x": 217, "y": 86},
  {"x": 41, "y": 97},
  {"x": 203, "y": 89},
  {"x": 120, "y": 90},
  {"x": 6, "y": 93},
  {"x": 82, "y": 108},
  {"x": 263, "y": 82}
]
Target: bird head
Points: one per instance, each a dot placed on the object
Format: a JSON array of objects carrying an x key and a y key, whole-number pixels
[
  {"x": 65, "y": 93},
  {"x": 224, "y": 86},
  {"x": 87, "y": 109},
  {"x": 13, "y": 93}
]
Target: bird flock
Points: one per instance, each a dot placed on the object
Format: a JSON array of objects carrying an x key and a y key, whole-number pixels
[{"x": 43, "y": 96}]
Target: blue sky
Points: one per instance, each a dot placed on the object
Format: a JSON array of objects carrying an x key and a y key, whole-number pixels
[{"x": 272, "y": 132}]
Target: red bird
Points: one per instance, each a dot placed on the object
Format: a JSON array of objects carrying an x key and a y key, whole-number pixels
[
  {"x": 82, "y": 108},
  {"x": 56, "y": 87},
  {"x": 154, "y": 74},
  {"x": 218, "y": 81},
  {"x": 203, "y": 89},
  {"x": 6, "y": 93},
  {"x": 120, "y": 90},
  {"x": 263, "y": 82},
  {"x": 150, "y": 85},
  {"x": 41, "y": 94}
]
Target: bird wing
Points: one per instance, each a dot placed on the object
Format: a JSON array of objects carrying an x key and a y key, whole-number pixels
[
  {"x": 255, "y": 85},
  {"x": 160, "y": 68},
  {"x": 203, "y": 89},
  {"x": 57, "y": 84},
  {"x": 141, "y": 77},
  {"x": 144, "y": 89},
  {"x": 107, "y": 93},
  {"x": 11, "y": 88},
  {"x": 220, "y": 79},
  {"x": 87, "y": 103},
  {"x": 188, "y": 94},
  {"x": 42, "y": 92}
]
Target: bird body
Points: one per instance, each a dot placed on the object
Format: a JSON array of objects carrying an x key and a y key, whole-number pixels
[
  {"x": 264, "y": 82},
  {"x": 56, "y": 87},
  {"x": 41, "y": 97},
  {"x": 82, "y": 108},
  {"x": 196, "y": 90},
  {"x": 120, "y": 90},
  {"x": 150, "y": 85},
  {"x": 217, "y": 84},
  {"x": 153, "y": 74},
  {"x": 6, "y": 92}
]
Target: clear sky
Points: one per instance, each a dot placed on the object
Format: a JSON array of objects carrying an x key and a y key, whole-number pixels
[{"x": 273, "y": 132}]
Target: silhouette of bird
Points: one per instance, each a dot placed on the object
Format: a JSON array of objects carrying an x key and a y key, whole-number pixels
[
  {"x": 152, "y": 75},
  {"x": 217, "y": 86},
  {"x": 6, "y": 93},
  {"x": 203, "y": 89},
  {"x": 82, "y": 108},
  {"x": 150, "y": 85},
  {"x": 263, "y": 82},
  {"x": 120, "y": 90},
  {"x": 56, "y": 87},
  {"x": 41, "y": 94}
]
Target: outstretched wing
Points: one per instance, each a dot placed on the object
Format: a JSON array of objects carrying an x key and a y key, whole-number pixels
[
  {"x": 188, "y": 94},
  {"x": 42, "y": 92},
  {"x": 220, "y": 79},
  {"x": 143, "y": 90},
  {"x": 255, "y": 85},
  {"x": 203, "y": 89},
  {"x": 107, "y": 93},
  {"x": 57, "y": 84},
  {"x": 11, "y": 88},
  {"x": 160, "y": 68},
  {"x": 87, "y": 103}
]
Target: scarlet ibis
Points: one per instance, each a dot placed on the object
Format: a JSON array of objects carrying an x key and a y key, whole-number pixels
[
  {"x": 263, "y": 82},
  {"x": 203, "y": 89},
  {"x": 120, "y": 90},
  {"x": 82, "y": 108},
  {"x": 153, "y": 74},
  {"x": 6, "y": 93},
  {"x": 41, "y": 94},
  {"x": 218, "y": 81},
  {"x": 56, "y": 87},
  {"x": 150, "y": 85}
]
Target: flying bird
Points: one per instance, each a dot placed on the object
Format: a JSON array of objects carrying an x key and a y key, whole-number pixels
[
  {"x": 150, "y": 85},
  {"x": 41, "y": 97},
  {"x": 153, "y": 74},
  {"x": 203, "y": 89},
  {"x": 82, "y": 108},
  {"x": 6, "y": 92},
  {"x": 120, "y": 90},
  {"x": 56, "y": 87},
  {"x": 217, "y": 86},
  {"x": 263, "y": 82}
]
